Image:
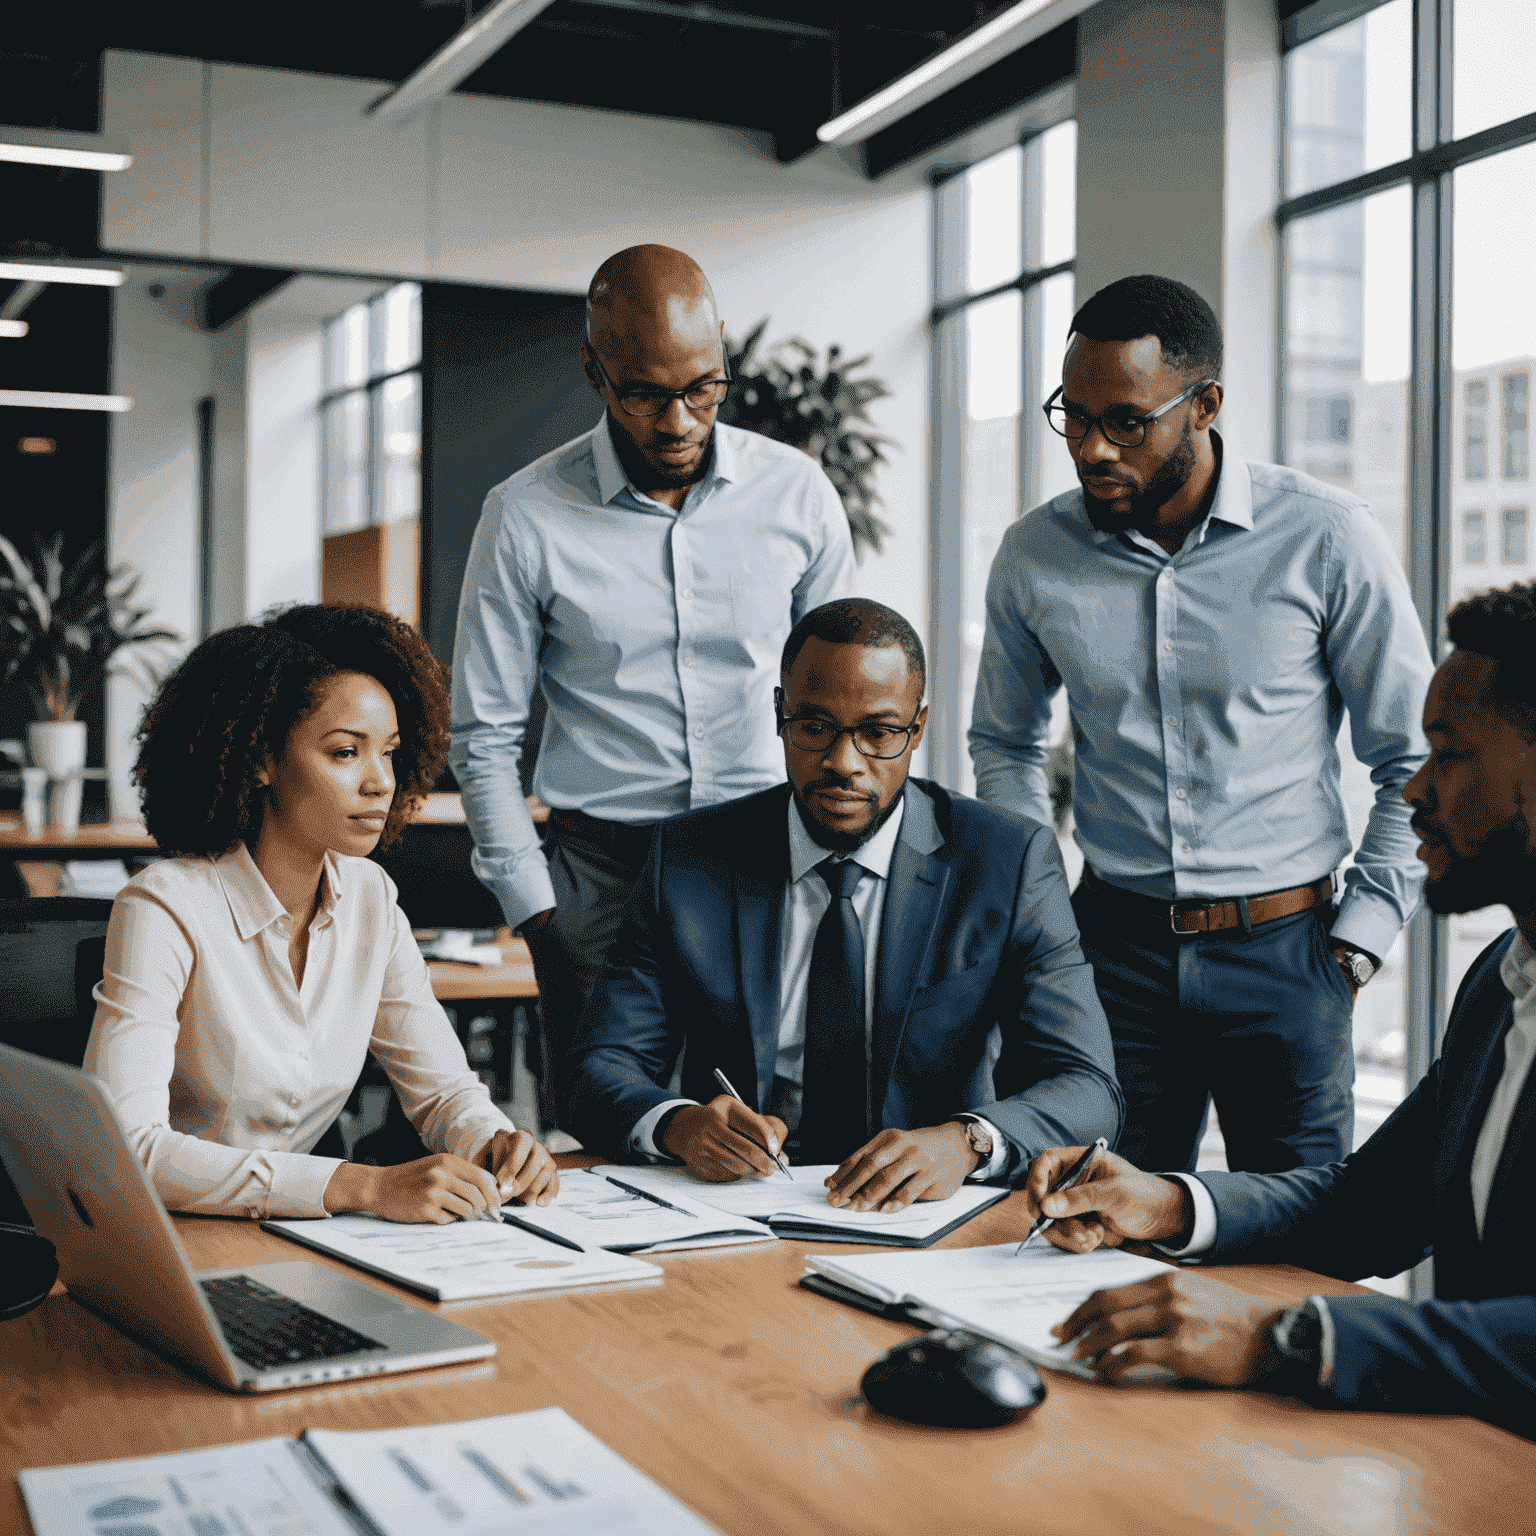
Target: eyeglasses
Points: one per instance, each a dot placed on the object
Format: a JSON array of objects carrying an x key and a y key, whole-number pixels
[
  {"x": 647, "y": 400},
  {"x": 1118, "y": 424},
  {"x": 811, "y": 733}
]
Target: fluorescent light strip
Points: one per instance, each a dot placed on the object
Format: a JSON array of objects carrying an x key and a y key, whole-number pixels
[
  {"x": 458, "y": 58},
  {"x": 968, "y": 56},
  {"x": 13, "y": 328},
  {"x": 37, "y": 399},
  {"x": 38, "y": 272},
  {"x": 64, "y": 147}
]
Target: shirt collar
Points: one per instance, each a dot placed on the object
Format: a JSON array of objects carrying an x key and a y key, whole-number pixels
[
  {"x": 252, "y": 903},
  {"x": 611, "y": 479},
  {"x": 1232, "y": 504},
  {"x": 1517, "y": 970},
  {"x": 875, "y": 855}
]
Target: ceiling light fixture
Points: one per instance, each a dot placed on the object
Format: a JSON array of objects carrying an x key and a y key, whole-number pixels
[
  {"x": 457, "y": 59},
  {"x": 38, "y": 399},
  {"x": 58, "y": 146},
  {"x": 39, "y": 272},
  {"x": 966, "y": 57},
  {"x": 13, "y": 328}
]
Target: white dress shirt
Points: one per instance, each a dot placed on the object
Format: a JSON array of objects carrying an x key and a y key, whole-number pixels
[
  {"x": 654, "y": 633},
  {"x": 1517, "y": 970},
  {"x": 806, "y": 899},
  {"x": 224, "y": 1073}
]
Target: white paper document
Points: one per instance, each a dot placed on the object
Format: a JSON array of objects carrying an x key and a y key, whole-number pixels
[
  {"x": 797, "y": 1206},
  {"x": 1015, "y": 1298},
  {"x": 604, "y": 1208},
  {"x": 538, "y": 1472},
  {"x": 463, "y": 1259}
]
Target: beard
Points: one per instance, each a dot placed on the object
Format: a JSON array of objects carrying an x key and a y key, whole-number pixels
[
  {"x": 1502, "y": 868},
  {"x": 646, "y": 476},
  {"x": 1145, "y": 504},
  {"x": 841, "y": 842}
]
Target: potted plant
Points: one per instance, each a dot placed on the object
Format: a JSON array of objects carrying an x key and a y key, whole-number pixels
[
  {"x": 61, "y": 630},
  {"x": 789, "y": 396}
]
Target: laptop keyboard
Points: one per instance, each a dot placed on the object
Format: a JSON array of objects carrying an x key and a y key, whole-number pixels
[{"x": 266, "y": 1329}]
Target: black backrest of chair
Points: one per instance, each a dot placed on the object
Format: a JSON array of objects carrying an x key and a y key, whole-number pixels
[
  {"x": 44, "y": 991},
  {"x": 430, "y": 865}
]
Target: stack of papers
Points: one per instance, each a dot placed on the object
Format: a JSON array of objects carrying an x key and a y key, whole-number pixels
[
  {"x": 605, "y": 1208},
  {"x": 457, "y": 944},
  {"x": 538, "y": 1472},
  {"x": 1015, "y": 1298},
  {"x": 797, "y": 1208},
  {"x": 102, "y": 878},
  {"x": 463, "y": 1259}
]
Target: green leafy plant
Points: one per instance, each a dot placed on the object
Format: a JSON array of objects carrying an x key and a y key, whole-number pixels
[
  {"x": 61, "y": 628},
  {"x": 789, "y": 396}
]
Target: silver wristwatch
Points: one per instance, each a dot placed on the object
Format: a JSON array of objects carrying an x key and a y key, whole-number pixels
[
  {"x": 1359, "y": 965},
  {"x": 981, "y": 1143}
]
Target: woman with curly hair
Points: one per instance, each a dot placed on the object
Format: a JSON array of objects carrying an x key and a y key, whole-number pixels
[{"x": 247, "y": 977}]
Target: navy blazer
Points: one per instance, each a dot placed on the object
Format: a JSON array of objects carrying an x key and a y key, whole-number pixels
[
  {"x": 1405, "y": 1194},
  {"x": 977, "y": 930}
]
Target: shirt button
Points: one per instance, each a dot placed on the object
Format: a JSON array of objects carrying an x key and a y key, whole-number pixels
[
  {"x": 1168, "y": 645},
  {"x": 688, "y": 661},
  {"x": 1179, "y": 793},
  {"x": 1185, "y": 847},
  {"x": 687, "y": 591},
  {"x": 698, "y": 730},
  {"x": 1173, "y": 719}
]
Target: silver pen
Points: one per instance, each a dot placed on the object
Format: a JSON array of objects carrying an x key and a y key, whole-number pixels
[
  {"x": 778, "y": 1157},
  {"x": 1074, "y": 1175}
]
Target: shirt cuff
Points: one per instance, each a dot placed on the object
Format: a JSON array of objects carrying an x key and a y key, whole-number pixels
[
  {"x": 1366, "y": 923},
  {"x": 299, "y": 1189},
  {"x": 642, "y": 1140},
  {"x": 1002, "y": 1151},
  {"x": 523, "y": 890},
  {"x": 1325, "y": 1357},
  {"x": 1203, "y": 1238}
]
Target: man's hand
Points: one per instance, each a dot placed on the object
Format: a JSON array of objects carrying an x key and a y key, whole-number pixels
[
  {"x": 724, "y": 1140},
  {"x": 898, "y": 1167},
  {"x": 1341, "y": 954},
  {"x": 1116, "y": 1203},
  {"x": 1181, "y": 1321},
  {"x": 524, "y": 1171},
  {"x": 440, "y": 1188}
]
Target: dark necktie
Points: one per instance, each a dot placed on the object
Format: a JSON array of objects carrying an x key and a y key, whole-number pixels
[{"x": 834, "y": 1115}]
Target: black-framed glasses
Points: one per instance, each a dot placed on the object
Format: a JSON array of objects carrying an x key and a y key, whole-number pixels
[
  {"x": 814, "y": 733},
  {"x": 1119, "y": 424},
  {"x": 649, "y": 400}
]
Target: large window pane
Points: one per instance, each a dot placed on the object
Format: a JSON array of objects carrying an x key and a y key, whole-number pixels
[
  {"x": 346, "y": 348},
  {"x": 1346, "y": 365},
  {"x": 1491, "y": 77},
  {"x": 994, "y": 191},
  {"x": 345, "y": 423},
  {"x": 1048, "y": 317},
  {"x": 1056, "y": 155},
  {"x": 395, "y": 323},
  {"x": 399, "y": 448},
  {"x": 1349, "y": 100}
]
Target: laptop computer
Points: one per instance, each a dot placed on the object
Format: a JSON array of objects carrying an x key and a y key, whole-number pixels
[{"x": 257, "y": 1328}]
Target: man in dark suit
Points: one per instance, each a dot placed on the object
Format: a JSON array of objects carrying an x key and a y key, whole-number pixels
[
  {"x": 843, "y": 949},
  {"x": 1450, "y": 1173}
]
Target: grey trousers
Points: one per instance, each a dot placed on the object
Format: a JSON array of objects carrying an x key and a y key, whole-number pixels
[{"x": 592, "y": 883}]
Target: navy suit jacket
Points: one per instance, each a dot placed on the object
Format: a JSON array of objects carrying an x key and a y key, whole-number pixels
[
  {"x": 1405, "y": 1194},
  {"x": 977, "y": 930}
]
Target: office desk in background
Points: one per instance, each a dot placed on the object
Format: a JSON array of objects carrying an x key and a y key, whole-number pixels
[{"x": 737, "y": 1391}]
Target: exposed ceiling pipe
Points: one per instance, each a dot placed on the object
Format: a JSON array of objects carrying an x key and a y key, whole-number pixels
[
  {"x": 457, "y": 59},
  {"x": 64, "y": 147},
  {"x": 20, "y": 296}
]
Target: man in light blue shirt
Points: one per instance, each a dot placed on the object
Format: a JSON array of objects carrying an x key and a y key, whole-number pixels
[
  {"x": 1210, "y": 622},
  {"x": 644, "y": 578}
]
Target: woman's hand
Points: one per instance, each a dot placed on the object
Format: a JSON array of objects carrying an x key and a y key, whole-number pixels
[
  {"x": 523, "y": 1170},
  {"x": 440, "y": 1188}
]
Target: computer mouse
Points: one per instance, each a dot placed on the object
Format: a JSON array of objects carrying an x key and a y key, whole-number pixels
[{"x": 954, "y": 1379}]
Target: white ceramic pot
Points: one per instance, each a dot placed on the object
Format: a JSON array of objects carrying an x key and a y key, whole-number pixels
[{"x": 59, "y": 747}]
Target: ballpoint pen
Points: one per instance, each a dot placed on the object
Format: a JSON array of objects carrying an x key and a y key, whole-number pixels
[
  {"x": 1074, "y": 1175},
  {"x": 778, "y": 1157}
]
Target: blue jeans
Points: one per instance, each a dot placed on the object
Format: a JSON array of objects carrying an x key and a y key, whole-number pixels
[{"x": 1260, "y": 1022}]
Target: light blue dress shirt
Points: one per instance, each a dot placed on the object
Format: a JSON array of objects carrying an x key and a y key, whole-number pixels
[
  {"x": 1206, "y": 691},
  {"x": 655, "y": 635}
]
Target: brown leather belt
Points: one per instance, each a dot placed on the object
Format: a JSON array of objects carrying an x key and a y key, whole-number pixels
[
  {"x": 626, "y": 842},
  {"x": 1246, "y": 912}
]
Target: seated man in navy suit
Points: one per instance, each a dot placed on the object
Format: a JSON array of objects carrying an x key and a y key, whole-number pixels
[
  {"x": 843, "y": 948},
  {"x": 1450, "y": 1173}
]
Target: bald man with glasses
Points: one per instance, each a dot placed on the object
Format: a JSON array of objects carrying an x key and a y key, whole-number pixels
[
  {"x": 643, "y": 578},
  {"x": 1211, "y": 621}
]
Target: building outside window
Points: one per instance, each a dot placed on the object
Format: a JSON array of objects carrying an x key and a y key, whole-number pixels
[
  {"x": 1515, "y": 389},
  {"x": 1380, "y": 161},
  {"x": 1514, "y": 550},
  {"x": 1003, "y": 304},
  {"x": 1476, "y": 429}
]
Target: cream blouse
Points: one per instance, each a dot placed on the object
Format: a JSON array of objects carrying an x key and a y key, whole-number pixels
[{"x": 224, "y": 1073}]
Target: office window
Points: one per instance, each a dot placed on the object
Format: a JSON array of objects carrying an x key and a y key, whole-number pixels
[
  {"x": 1476, "y": 429},
  {"x": 371, "y": 412},
  {"x": 1514, "y": 536},
  {"x": 1515, "y": 389},
  {"x": 1003, "y": 302},
  {"x": 1474, "y": 549},
  {"x": 1379, "y": 162}
]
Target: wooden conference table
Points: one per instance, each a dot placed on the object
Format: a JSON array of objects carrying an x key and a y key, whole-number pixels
[{"x": 737, "y": 1391}]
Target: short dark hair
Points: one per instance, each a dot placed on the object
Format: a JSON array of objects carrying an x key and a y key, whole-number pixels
[
  {"x": 233, "y": 703},
  {"x": 1501, "y": 625},
  {"x": 1148, "y": 305},
  {"x": 861, "y": 621}
]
